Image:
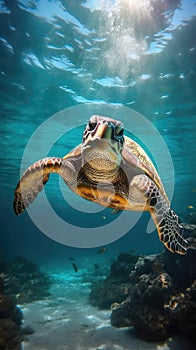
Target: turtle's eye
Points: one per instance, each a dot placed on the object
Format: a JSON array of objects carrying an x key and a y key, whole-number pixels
[
  {"x": 91, "y": 126},
  {"x": 119, "y": 131}
]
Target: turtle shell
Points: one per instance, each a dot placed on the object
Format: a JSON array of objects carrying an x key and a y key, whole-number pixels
[{"x": 134, "y": 154}]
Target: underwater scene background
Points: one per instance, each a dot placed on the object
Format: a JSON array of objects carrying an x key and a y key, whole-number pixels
[{"x": 112, "y": 57}]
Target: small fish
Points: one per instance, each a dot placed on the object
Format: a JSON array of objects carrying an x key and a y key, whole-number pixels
[
  {"x": 96, "y": 266},
  {"x": 72, "y": 259},
  {"x": 116, "y": 211},
  {"x": 190, "y": 207},
  {"x": 102, "y": 250},
  {"x": 75, "y": 267},
  {"x": 103, "y": 217},
  {"x": 133, "y": 251}
]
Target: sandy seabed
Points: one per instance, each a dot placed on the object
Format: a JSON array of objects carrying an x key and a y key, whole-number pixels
[{"x": 66, "y": 321}]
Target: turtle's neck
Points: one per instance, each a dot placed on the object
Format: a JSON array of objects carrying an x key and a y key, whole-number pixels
[{"x": 100, "y": 174}]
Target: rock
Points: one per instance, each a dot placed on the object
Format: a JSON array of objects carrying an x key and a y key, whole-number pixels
[
  {"x": 12, "y": 284},
  {"x": 20, "y": 265},
  {"x": 25, "y": 281},
  {"x": 6, "y": 306},
  {"x": 10, "y": 338},
  {"x": 150, "y": 264},
  {"x": 22, "y": 281},
  {"x": 152, "y": 290},
  {"x": 152, "y": 326},
  {"x": 164, "y": 285},
  {"x": 8, "y": 309},
  {"x": 17, "y": 315},
  {"x": 160, "y": 298},
  {"x": 10, "y": 320},
  {"x": 182, "y": 309},
  {"x": 105, "y": 293},
  {"x": 127, "y": 258},
  {"x": 122, "y": 267},
  {"x": 181, "y": 267},
  {"x": 120, "y": 316},
  {"x": 144, "y": 309},
  {"x": 27, "y": 330}
]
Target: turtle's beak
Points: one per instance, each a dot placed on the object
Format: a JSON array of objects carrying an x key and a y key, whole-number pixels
[
  {"x": 106, "y": 132},
  {"x": 103, "y": 131}
]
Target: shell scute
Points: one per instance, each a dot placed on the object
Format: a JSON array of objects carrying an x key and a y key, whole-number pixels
[{"x": 133, "y": 151}]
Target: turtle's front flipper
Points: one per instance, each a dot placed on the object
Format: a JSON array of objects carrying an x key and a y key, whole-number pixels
[
  {"x": 167, "y": 222},
  {"x": 36, "y": 176}
]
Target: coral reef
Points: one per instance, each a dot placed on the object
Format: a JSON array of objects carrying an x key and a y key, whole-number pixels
[
  {"x": 159, "y": 297},
  {"x": 20, "y": 282},
  {"x": 105, "y": 293},
  {"x": 10, "y": 321},
  {"x": 25, "y": 281},
  {"x": 116, "y": 287}
]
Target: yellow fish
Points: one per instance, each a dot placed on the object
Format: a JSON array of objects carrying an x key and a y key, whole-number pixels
[{"x": 102, "y": 250}]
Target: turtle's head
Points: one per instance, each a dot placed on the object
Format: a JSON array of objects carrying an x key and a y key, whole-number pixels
[{"x": 102, "y": 143}]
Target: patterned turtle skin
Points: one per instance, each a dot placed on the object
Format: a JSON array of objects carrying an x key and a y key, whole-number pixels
[{"x": 112, "y": 170}]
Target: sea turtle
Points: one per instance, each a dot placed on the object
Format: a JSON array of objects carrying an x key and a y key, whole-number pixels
[{"x": 110, "y": 169}]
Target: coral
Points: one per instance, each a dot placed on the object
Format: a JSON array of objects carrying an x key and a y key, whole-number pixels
[
  {"x": 25, "y": 281},
  {"x": 108, "y": 291},
  {"x": 161, "y": 293},
  {"x": 21, "y": 281},
  {"x": 27, "y": 330},
  {"x": 10, "y": 338},
  {"x": 144, "y": 308},
  {"x": 10, "y": 321},
  {"x": 122, "y": 267},
  {"x": 182, "y": 310},
  {"x": 9, "y": 310},
  {"x": 105, "y": 293},
  {"x": 182, "y": 268},
  {"x": 149, "y": 264},
  {"x": 6, "y": 306}
]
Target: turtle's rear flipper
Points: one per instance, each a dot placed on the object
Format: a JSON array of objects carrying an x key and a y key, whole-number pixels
[
  {"x": 167, "y": 222},
  {"x": 170, "y": 232},
  {"x": 36, "y": 176}
]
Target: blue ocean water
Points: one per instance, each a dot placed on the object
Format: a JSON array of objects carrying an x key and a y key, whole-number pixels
[{"x": 58, "y": 55}]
